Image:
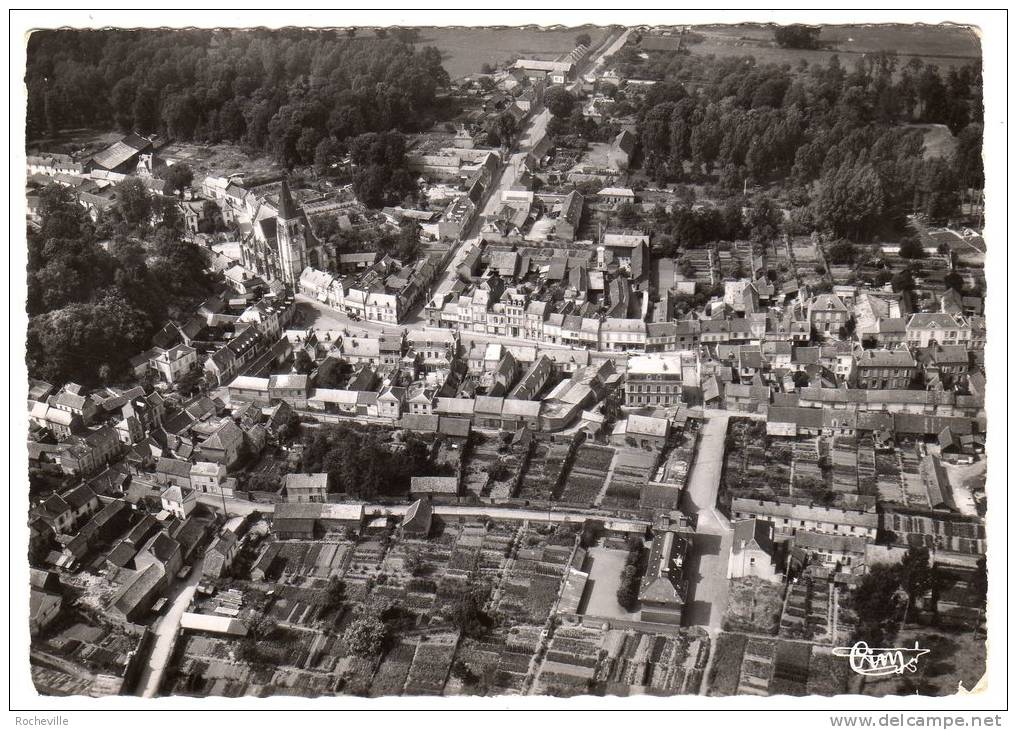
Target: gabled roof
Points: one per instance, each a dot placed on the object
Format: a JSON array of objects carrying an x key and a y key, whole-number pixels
[{"x": 752, "y": 533}]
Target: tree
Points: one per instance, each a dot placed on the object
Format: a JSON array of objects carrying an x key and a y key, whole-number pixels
[
  {"x": 133, "y": 202},
  {"x": 335, "y": 592},
  {"x": 628, "y": 591},
  {"x": 365, "y": 636},
  {"x": 849, "y": 201},
  {"x": 583, "y": 39},
  {"x": 841, "y": 253},
  {"x": 764, "y": 221},
  {"x": 628, "y": 213},
  {"x": 461, "y": 671},
  {"x": 408, "y": 242},
  {"x": 804, "y": 37},
  {"x": 878, "y": 603},
  {"x": 302, "y": 363},
  {"x": 911, "y": 248},
  {"x": 507, "y": 128},
  {"x": 179, "y": 177},
  {"x": 467, "y": 611},
  {"x": 559, "y": 102},
  {"x": 406, "y": 35},
  {"x": 954, "y": 281},
  {"x": 917, "y": 575}
]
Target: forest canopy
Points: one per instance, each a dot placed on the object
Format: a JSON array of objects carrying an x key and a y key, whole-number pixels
[
  {"x": 95, "y": 304},
  {"x": 845, "y": 139},
  {"x": 282, "y": 92}
]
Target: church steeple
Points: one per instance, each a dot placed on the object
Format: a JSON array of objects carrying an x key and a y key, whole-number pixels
[{"x": 287, "y": 209}]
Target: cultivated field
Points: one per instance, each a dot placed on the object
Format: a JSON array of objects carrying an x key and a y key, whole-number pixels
[
  {"x": 465, "y": 50},
  {"x": 945, "y": 47}
]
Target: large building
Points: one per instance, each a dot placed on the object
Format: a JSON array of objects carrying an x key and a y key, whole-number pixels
[
  {"x": 654, "y": 380},
  {"x": 280, "y": 247}
]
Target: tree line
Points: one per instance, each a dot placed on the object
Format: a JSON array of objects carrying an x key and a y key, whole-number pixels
[
  {"x": 839, "y": 139},
  {"x": 284, "y": 92}
]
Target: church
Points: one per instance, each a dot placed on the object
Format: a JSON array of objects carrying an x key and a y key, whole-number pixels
[{"x": 280, "y": 243}]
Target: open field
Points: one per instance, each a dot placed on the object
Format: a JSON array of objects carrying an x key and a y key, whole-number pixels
[
  {"x": 465, "y": 50},
  {"x": 945, "y": 47}
]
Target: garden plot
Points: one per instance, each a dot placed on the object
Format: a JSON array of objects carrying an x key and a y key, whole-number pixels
[
  {"x": 807, "y": 610},
  {"x": 366, "y": 560},
  {"x": 394, "y": 669},
  {"x": 867, "y": 483},
  {"x": 828, "y": 674},
  {"x": 431, "y": 663},
  {"x": 586, "y": 477},
  {"x": 914, "y": 489},
  {"x": 888, "y": 478},
  {"x": 490, "y": 469},
  {"x": 754, "y": 605},
  {"x": 702, "y": 269},
  {"x": 297, "y": 683},
  {"x": 530, "y": 586},
  {"x": 791, "y": 669},
  {"x": 296, "y": 606},
  {"x": 663, "y": 665},
  {"x": 727, "y": 661},
  {"x": 757, "y": 667},
  {"x": 755, "y": 465},
  {"x": 570, "y": 663},
  {"x": 543, "y": 471},
  {"x": 844, "y": 458},
  {"x": 503, "y": 659},
  {"x": 630, "y": 473}
]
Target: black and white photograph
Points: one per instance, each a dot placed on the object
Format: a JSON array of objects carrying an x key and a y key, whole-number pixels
[{"x": 591, "y": 364}]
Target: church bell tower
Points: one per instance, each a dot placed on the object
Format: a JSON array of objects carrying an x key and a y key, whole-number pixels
[{"x": 292, "y": 239}]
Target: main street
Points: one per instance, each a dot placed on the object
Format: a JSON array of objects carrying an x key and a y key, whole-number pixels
[{"x": 321, "y": 317}]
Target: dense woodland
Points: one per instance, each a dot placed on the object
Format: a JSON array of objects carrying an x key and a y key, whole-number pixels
[
  {"x": 284, "y": 92},
  {"x": 837, "y": 140},
  {"x": 91, "y": 310}
]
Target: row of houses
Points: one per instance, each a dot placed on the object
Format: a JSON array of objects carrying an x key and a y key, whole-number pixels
[{"x": 382, "y": 293}]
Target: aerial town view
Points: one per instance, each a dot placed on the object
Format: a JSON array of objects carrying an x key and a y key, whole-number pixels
[{"x": 412, "y": 361}]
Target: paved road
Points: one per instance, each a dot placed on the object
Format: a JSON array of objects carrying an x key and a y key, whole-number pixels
[
  {"x": 166, "y": 632},
  {"x": 708, "y": 583},
  {"x": 243, "y": 507},
  {"x": 235, "y": 507}
]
